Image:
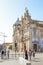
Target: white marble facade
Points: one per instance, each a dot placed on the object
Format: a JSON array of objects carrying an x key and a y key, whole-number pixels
[{"x": 27, "y": 32}]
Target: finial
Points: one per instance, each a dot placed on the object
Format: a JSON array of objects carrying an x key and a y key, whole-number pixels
[
  {"x": 17, "y": 19},
  {"x": 22, "y": 17},
  {"x": 26, "y": 10},
  {"x": 26, "y": 14}
]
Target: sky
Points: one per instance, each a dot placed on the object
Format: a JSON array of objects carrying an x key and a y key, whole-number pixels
[{"x": 10, "y": 10}]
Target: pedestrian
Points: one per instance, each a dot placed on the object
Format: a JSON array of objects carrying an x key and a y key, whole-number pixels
[
  {"x": 39, "y": 50},
  {"x": 30, "y": 54},
  {"x": 5, "y": 52},
  {"x": 33, "y": 53},
  {"x": 26, "y": 55},
  {"x": 2, "y": 54},
  {"x": 8, "y": 54}
]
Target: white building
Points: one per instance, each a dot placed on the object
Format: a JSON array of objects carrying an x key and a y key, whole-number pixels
[{"x": 27, "y": 32}]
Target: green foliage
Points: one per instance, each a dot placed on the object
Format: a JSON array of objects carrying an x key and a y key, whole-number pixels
[{"x": 10, "y": 47}]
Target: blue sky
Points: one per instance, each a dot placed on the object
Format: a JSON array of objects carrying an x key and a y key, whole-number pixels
[{"x": 10, "y": 10}]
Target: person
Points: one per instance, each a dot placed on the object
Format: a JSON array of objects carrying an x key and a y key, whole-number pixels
[
  {"x": 2, "y": 54},
  {"x": 39, "y": 50},
  {"x": 26, "y": 55},
  {"x": 30, "y": 54},
  {"x": 33, "y": 53},
  {"x": 8, "y": 54},
  {"x": 5, "y": 52}
]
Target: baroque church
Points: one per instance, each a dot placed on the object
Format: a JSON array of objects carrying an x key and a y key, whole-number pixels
[{"x": 27, "y": 32}]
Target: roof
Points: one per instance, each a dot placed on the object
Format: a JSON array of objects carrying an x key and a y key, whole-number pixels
[
  {"x": 39, "y": 23},
  {"x": 17, "y": 22}
]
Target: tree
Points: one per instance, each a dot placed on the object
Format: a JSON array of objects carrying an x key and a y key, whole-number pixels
[{"x": 10, "y": 47}]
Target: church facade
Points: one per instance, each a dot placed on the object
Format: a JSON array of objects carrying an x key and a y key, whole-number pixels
[{"x": 27, "y": 33}]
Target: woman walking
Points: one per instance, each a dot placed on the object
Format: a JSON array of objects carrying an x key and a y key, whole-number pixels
[
  {"x": 30, "y": 54},
  {"x": 33, "y": 54},
  {"x": 26, "y": 55}
]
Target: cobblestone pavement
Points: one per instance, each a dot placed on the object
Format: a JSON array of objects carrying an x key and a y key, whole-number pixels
[
  {"x": 38, "y": 60},
  {"x": 9, "y": 62}
]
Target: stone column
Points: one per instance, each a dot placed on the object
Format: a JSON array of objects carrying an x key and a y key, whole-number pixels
[{"x": 30, "y": 38}]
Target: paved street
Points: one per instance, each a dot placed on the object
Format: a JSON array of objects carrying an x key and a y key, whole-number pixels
[
  {"x": 38, "y": 60},
  {"x": 9, "y": 62}
]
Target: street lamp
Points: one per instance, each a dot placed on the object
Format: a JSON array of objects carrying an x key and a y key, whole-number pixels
[{"x": 3, "y": 34}]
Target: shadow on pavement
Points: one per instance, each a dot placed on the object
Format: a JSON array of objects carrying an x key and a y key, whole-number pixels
[
  {"x": 1, "y": 61},
  {"x": 36, "y": 60}
]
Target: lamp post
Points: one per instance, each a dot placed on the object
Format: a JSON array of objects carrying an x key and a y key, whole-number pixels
[{"x": 3, "y": 34}]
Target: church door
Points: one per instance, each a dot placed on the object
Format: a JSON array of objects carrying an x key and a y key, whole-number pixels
[{"x": 35, "y": 47}]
